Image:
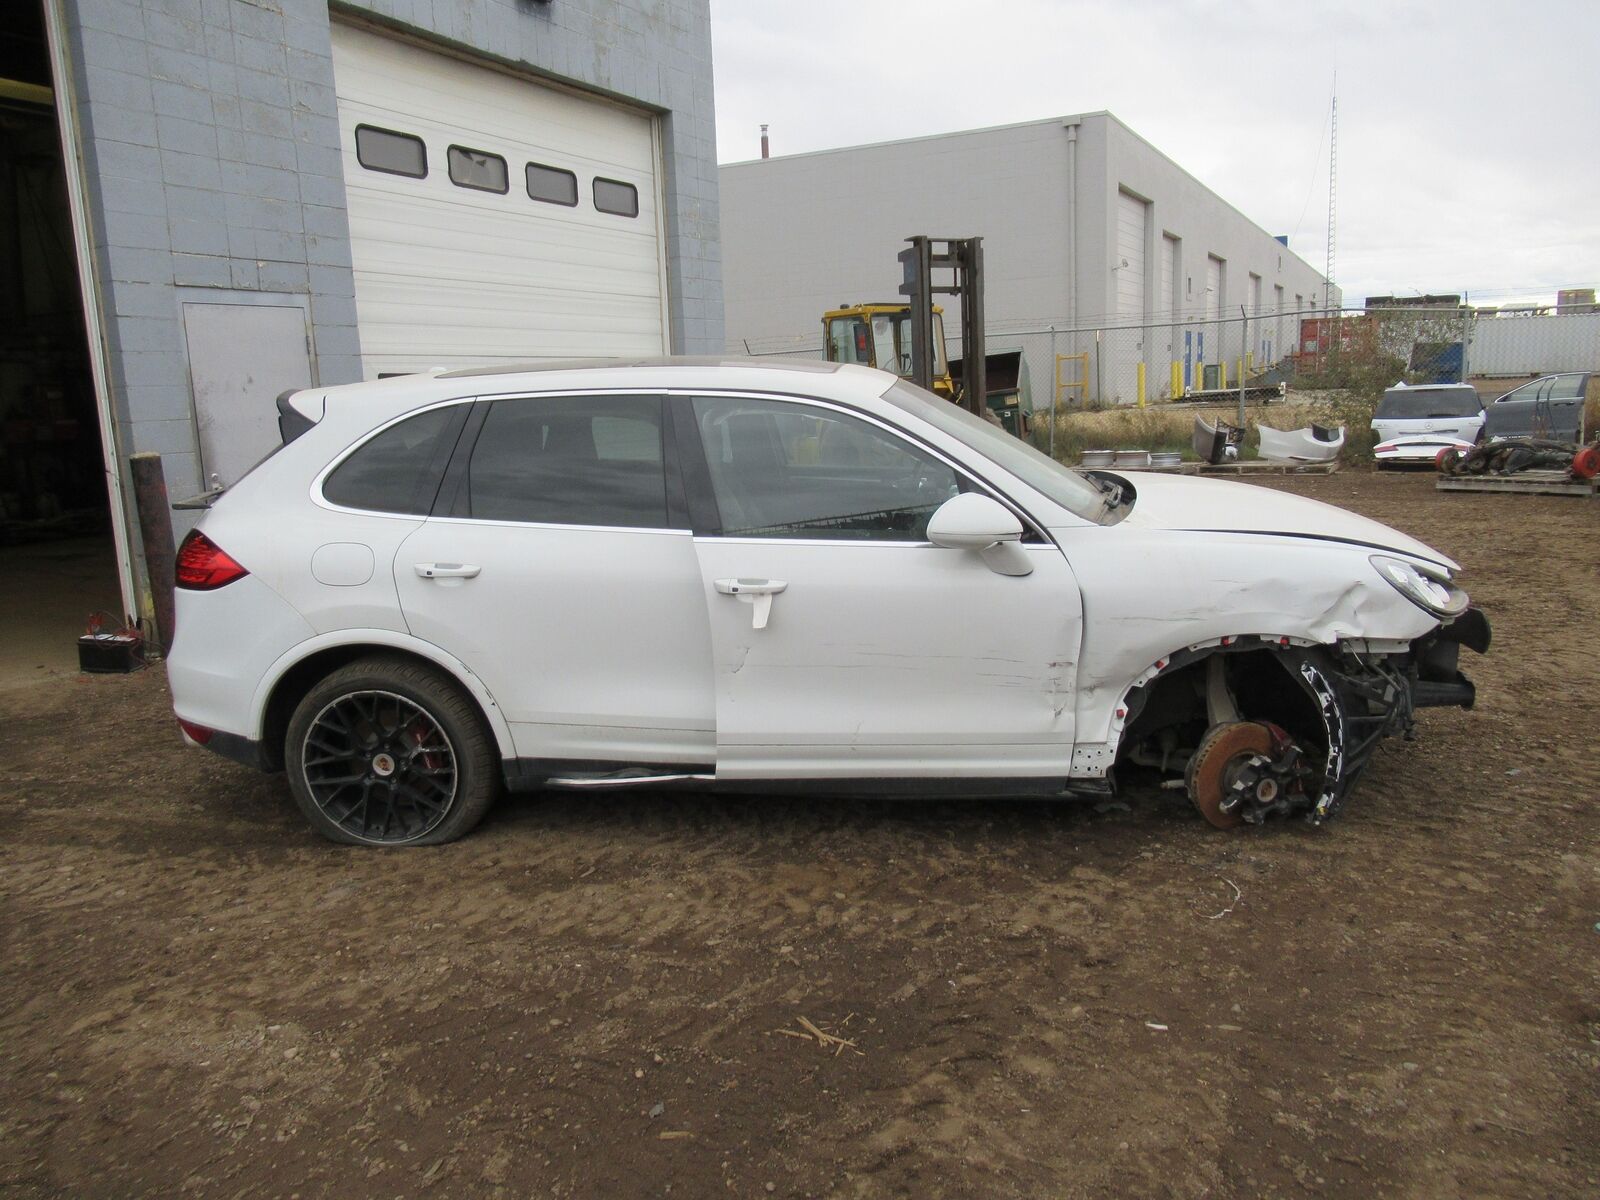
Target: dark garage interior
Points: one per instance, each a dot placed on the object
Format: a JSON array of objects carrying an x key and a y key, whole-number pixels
[{"x": 57, "y": 562}]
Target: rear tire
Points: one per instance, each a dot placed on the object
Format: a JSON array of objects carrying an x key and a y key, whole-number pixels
[{"x": 390, "y": 752}]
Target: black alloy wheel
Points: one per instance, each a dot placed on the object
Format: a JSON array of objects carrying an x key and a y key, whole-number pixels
[{"x": 389, "y": 751}]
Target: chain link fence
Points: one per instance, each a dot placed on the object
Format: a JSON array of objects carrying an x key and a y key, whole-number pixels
[{"x": 1199, "y": 357}]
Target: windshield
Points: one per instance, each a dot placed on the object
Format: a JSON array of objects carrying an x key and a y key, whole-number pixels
[
  {"x": 1061, "y": 484},
  {"x": 1412, "y": 403}
]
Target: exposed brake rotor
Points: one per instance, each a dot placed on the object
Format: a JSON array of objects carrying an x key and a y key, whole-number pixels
[{"x": 1233, "y": 767}]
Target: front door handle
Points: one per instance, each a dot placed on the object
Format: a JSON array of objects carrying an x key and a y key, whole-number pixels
[
  {"x": 757, "y": 593},
  {"x": 440, "y": 570}
]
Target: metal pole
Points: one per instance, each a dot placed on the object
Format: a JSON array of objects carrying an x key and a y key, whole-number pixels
[
  {"x": 1055, "y": 388},
  {"x": 974, "y": 344},
  {"x": 1099, "y": 377},
  {"x": 1466, "y": 333},
  {"x": 1244, "y": 337},
  {"x": 155, "y": 530}
]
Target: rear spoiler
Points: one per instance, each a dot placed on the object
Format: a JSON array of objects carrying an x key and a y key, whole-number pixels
[{"x": 293, "y": 419}]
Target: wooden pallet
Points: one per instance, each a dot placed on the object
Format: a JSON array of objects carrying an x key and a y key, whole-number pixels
[
  {"x": 1261, "y": 466},
  {"x": 1527, "y": 483}
]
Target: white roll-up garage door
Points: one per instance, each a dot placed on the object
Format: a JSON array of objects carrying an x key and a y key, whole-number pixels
[
  {"x": 1132, "y": 216},
  {"x": 493, "y": 218}
]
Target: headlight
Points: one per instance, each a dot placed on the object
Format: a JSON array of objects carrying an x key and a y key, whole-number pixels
[{"x": 1427, "y": 589}]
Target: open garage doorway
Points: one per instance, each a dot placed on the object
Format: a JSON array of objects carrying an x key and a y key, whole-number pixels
[{"x": 58, "y": 558}]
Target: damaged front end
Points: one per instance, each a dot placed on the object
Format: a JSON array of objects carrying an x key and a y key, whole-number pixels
[{"x": 1270, "y": 728}]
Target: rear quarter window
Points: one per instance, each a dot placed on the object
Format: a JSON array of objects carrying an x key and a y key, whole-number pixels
[{"x": 398, "y": 470}]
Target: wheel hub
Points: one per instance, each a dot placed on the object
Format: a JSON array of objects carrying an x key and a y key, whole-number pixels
[
  {"x": 1242, "y": 771},
  {"x": 384, "y": 765}
]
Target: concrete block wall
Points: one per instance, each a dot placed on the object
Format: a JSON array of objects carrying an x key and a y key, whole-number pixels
[
  {"x": 210, "y": 139},
  {"x": 211, "y": 149}
]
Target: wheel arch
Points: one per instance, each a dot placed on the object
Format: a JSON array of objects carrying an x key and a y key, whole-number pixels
[
  {"x": 298, "y": 670},
  {"x": 1304, "y": 686}
]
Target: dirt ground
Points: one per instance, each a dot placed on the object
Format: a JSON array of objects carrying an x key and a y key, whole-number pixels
[{"x": 586, "y": 997}]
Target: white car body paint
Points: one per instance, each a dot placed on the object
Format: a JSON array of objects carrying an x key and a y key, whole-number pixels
[{"x": 877, "y": 659}]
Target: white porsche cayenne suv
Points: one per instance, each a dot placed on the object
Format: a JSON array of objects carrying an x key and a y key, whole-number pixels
[{"x": 758, "y": 576}]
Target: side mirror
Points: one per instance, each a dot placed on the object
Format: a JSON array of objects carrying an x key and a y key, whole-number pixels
[{"x": 972, "y": 521}]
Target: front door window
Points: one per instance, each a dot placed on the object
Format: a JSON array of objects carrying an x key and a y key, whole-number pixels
[{"x": 782, "y": 470}]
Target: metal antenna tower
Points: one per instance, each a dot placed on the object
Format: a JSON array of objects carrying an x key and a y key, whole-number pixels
[{"x": 1333, "y": 192}]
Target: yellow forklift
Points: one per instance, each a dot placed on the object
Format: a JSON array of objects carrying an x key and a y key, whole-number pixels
[
  {"x": 879, "y": 335},
  {"x": 885, "y": 335}
]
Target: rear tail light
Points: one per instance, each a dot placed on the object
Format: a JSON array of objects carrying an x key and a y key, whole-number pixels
[
  {"x": 204, "y": 566},
  {"x": 198, "y": 734}
]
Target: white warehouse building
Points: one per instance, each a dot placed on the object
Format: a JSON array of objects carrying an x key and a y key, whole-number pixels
[{"x": 1085, "y": 225}]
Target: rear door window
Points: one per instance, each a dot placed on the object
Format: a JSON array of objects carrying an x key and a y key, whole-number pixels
[{"x": 570, "y": 460}]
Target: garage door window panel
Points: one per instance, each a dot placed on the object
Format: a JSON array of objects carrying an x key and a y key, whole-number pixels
[
  {"x": 784, "y": 470},
  {"x": 479, "y": 170},
  {"x": 399, "y": 469},
  {"x": 571, "y": 460},
  {"x": 615, "y": 197},
  {"x": 391, "y": 152},
  {"x": 552, "y": 185}
]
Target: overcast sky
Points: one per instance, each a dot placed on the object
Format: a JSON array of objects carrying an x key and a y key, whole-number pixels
[{"x": 1469, "y": 130}]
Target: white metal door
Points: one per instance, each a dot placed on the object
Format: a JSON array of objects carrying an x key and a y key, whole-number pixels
[
  {"x": 1132, "y": 220},
  {"x": 451, "y": 275},
  {"x": 241, "y": 358}
]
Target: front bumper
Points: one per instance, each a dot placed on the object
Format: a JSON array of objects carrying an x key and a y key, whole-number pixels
[
  {"x": 1436, "y": 678},
  {"x": 1366, "y": 698}
]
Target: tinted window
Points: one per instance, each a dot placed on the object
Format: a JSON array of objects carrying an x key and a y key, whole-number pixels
[
  {"x": 391, "y": 152},
  {"x": 1416, "y": 403},
  {"x": 397, "y": 471},
  {"x": 611, "y": 196},
  {"x": 552, "y": 185},
  {"x": 478, "y": 169},
  {"x": 571, "y": 460},
  {"x": 786, "y": 470}
]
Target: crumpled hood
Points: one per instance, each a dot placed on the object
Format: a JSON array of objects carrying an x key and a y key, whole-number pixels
[{"x": 1182, "y": 502}]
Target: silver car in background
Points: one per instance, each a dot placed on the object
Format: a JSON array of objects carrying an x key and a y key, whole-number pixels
[{"x": 1412, "y": 424}]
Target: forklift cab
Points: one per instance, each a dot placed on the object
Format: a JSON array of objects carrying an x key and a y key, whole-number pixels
[{"x": 879, "y": 335}]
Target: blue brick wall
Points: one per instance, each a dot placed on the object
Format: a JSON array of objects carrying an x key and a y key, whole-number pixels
[{"x": 211, "y": 147}]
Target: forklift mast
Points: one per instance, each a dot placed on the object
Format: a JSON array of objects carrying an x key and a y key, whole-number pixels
[{"x": 963, "y": 257}]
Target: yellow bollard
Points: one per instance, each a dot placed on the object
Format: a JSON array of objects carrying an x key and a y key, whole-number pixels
[
  {"x": 1250, "y": 362},
  {"x": 1222, "y": 373},
  {"x": 1177, "y": 379},
  {"x": 1141, "y": 385}
]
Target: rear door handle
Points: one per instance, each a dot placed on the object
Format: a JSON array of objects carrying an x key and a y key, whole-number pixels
[
  {"x": 757, "y": 593},
  {"x": 439, "y": 570}
]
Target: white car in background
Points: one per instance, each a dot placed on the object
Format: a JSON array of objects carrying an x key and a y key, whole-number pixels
[
  {"x": 1413, "y": 423},
  {"x": 759, "y": 576}
]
